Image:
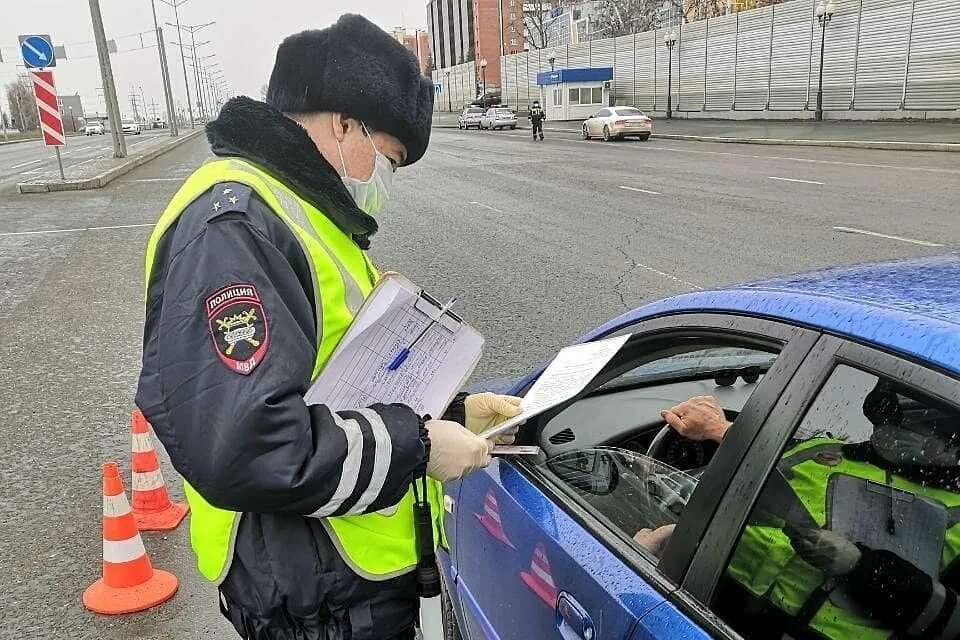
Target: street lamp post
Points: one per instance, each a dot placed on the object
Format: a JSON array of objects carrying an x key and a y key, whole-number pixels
[
  {"x": 186, "y": 84},
  {"x": 449, "y": 97},
  {"x": 670, "y": 40},
  {"x": 73, "y": 123},
  {"x": 824, "y": 13},
  {"x": 483, "y": 76}
]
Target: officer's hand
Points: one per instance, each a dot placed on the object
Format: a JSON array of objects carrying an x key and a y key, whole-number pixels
[
  {"x": 454, "y": 451},
  {"x": 486, "y": 410},
  {"x": 825, "y": 550},
  {"x": 699, "y": 418}
]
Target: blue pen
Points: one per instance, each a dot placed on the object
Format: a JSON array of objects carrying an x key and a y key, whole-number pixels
[{"x": 401, "y": 357}]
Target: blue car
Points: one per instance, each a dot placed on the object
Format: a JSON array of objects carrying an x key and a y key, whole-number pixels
[{"x": 837, "y": 389}]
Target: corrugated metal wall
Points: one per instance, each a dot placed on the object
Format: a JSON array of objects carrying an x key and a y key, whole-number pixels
[{"x": 879, "y": 55}]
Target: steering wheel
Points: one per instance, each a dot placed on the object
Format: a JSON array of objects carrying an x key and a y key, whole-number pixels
[{"x": 672, "y": 449}]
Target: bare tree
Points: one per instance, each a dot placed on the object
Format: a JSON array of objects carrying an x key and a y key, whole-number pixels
[
  {"x": 23, "y": 106},
  {"x": 536, "y": 18},
  {"x": 623, "y": 17}
]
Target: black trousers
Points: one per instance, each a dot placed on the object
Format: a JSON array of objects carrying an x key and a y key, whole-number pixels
[{"x": 537, "y": 127}]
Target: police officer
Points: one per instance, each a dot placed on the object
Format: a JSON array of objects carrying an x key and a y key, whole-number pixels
[
  {"x": 537, "y": 116},
  {"x": 303, "y": 517},
  {"x": 810, "y": 581}
]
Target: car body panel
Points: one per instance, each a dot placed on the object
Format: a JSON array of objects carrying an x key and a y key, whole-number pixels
[
  {"x": 907, "y": 308},
  {"x": 618, "y": 125},
  {"x": 131, "y": 127},
  {"x": 517, "y": 551},
  {"x": 498, "y": 117},
  {"x": 468, "y": 119}
]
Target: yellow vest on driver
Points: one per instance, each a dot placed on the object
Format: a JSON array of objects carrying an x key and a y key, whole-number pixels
[
  {"x": 376, "y": 546},
  {"x": 765, "y": 563}
]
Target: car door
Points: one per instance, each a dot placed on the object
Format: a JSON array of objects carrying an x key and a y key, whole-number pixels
[
  {"x": 540, "y": 553},
  {"x": 828, "y": 400},
  {"x": 595, "y": 124}
]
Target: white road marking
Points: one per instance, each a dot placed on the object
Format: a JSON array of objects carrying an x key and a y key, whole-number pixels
[
  {"x": 159, "y": 180},
  {"x": 486, "y": 206},
  {"x": 840, "y": 163},
  {"x": 77, "y": 164},
  {"x": 48, "y": 231},
  {"x": 795, "y": 180},
  {"x": 653, "y": 193},
  {"x": 24, "y": 164},
  {"x": 864, "y": 232}
]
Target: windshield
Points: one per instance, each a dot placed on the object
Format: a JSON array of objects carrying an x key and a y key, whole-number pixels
[
  {"x": 476, "y": 110},
  {"x": 695, "y": 365},
  {"x": 505, "y": 111},
  {"x": 629, "y": 111}
]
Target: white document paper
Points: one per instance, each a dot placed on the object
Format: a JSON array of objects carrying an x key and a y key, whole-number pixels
[
  {"x": 569, "y": 373},
  {"x": 356, "y": 375}
]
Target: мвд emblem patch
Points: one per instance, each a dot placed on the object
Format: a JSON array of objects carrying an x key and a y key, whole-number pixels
[{"x": 238, "y": 326}]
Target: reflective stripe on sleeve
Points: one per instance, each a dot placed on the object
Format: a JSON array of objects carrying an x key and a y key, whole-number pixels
[
  {"x": 351, "y": 467},
  {"x": 381, "y": 462}
]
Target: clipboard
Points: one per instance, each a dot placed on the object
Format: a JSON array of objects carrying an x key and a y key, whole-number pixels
[{"x": 356, "y": 375}]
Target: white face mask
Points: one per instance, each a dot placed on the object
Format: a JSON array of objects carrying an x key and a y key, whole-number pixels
[{"x": 371, "y": 194}]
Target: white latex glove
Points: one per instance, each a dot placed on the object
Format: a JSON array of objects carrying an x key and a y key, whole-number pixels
[
  {"x": 486, "y": 410},
  {"x": 454, "y": 451}
]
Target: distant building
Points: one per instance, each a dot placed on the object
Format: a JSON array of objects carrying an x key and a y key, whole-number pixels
[
  {"x": 71, "y": 111},
  {"x": 450, "y": 24},
  {"x": 498, "y": 31},
  {"x": 418, "y": 43}
]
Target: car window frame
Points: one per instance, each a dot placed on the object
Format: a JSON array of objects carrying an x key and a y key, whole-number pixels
[
  {"x": 711, "y": 559},
  {"x": 794, "y": 343}
]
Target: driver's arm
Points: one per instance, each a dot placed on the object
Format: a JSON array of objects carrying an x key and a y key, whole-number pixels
[{"x": 699, "y": 418}]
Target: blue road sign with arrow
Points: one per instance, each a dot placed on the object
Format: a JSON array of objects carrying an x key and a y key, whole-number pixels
[{"x": 37, "y": 51}]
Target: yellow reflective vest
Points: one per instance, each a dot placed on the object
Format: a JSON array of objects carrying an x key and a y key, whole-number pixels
[
  {"x": 377, "y": 546},
  {"x": 765, "y": 563}
]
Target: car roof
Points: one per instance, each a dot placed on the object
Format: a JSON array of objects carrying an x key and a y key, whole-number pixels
[{"x": 908, "y": 306}]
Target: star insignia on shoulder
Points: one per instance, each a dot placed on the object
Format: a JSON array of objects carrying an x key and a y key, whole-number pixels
[
  {"x": 216, "y": 206},
  {"x": 233, "y": 199},
  {"x": 227, "y": 191}
]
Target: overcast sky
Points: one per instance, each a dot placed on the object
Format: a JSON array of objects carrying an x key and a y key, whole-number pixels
[{"x": 244, "y": 38}]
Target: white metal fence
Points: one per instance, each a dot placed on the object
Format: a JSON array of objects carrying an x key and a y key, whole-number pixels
[{"x": 880, "y": 55}]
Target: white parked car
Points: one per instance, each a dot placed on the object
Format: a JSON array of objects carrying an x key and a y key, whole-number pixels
[
  {"x": 617, "y": 122},
  {"x": 94, "y": 127},
  {"x": 131, "y": 127},
  {"x": 498, "y": 118}
]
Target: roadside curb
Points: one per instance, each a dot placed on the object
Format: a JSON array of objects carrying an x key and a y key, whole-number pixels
[
  {"x": 877, "y": 145},
  {"x": 108, "y": 176}
]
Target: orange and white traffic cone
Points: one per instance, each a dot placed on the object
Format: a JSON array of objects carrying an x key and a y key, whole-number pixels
[
  {"x": 129, "y": 582},
  {"x": 539, "y": 579},
  {"x": 490, "y": 519},
  {"x": 152, "y": 508}
]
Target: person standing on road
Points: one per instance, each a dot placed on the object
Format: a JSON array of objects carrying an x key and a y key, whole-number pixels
[
  {"x": 303, "y": 517},
  {"x": 537, "y": 117}
]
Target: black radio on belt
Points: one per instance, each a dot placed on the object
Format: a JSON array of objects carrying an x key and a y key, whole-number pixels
[{"x": 428, "y": 575}]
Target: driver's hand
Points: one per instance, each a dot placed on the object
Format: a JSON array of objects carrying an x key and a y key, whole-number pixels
[
  {"x": 699, "y": 418},
  {"x": 653, "y": 539}
]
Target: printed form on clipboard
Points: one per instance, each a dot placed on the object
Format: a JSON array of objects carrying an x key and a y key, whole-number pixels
[{"x": 357, "y": 374}]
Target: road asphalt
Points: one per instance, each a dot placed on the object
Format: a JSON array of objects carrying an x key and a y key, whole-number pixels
[
  {"x": 539, "y": 240},
  {"x": 846, "y": 130}
]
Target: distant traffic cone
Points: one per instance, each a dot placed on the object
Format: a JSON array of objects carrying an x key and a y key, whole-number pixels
[
  {"x": 129, "y": 582},
  {"x": 152, "y": 508},
  {"x": 490, "y": 519},
  {"x": 539, "y": 578}
]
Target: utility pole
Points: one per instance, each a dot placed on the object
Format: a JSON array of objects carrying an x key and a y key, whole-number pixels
[
  {"x": 186, "y": 84},
  {"x": 165, "y": 73},
  {"x": 133, "y": 105},
  {"x": 109, "y": 89}
]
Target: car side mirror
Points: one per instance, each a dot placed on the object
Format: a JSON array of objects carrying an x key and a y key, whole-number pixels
[{"x": 590, "y": 471}]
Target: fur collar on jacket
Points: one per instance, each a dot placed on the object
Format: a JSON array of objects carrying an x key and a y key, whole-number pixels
[{"x": 262, "y": 135}]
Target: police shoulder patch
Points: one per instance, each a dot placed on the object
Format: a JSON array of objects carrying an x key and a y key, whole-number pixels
[
  {"x": 229, "y": 196},
  {"x": 238, "y": 326}
]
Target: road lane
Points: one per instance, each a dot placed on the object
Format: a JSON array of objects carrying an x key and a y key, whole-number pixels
[{"x": 538, "y": 240}]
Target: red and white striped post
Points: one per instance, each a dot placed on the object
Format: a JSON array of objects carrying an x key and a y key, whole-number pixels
[{"x": 51, "y": 123}]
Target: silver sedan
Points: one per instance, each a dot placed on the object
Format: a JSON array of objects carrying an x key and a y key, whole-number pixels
[
  {"x": 498, "y": 118},
  {"x": 617, "y": 122}
]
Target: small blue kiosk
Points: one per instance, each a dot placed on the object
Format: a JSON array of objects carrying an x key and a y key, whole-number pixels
[{"x": 574, "y": 94}]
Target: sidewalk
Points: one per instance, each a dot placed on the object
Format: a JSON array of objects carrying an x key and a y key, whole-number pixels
[
  {"x": 901, "y": 135},
  {"x": 99, "y": 173}
]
